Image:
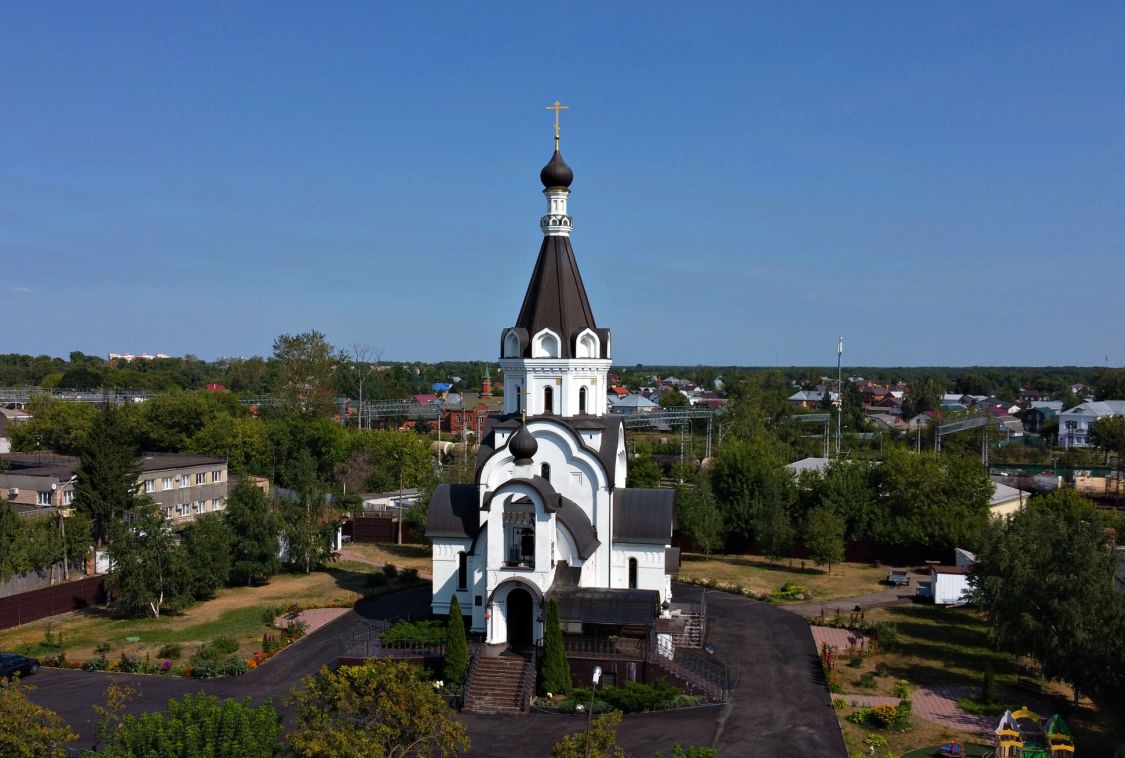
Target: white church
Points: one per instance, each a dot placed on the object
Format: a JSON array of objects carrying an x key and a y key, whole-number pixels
[{"x": 548, "y": 514}]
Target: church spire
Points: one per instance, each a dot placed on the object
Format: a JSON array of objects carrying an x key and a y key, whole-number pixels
[{"x": 556, "y": 177}]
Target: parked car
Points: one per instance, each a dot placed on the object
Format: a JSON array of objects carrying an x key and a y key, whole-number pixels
[{"x": 12, "y": 664}]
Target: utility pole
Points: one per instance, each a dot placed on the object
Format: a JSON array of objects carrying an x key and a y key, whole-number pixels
[{"x": 839, "y": 394}]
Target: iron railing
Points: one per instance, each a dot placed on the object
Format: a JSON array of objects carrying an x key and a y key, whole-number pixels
[
  {"x": 527, "y": 680},
  {"x": 469, "y": 675}
]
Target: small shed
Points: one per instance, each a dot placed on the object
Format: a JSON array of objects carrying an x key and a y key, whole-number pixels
[{"x": 949, "y": 584}]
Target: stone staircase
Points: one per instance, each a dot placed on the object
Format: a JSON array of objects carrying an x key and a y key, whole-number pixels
[{"x": 495, "y": 686}]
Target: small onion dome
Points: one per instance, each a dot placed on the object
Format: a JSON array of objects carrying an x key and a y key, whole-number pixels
[
  {"x": 556, "y": 173},
  {"x": 523, "y": 446}
]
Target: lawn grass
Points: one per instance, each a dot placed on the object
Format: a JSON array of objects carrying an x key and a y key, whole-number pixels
[
  {"x": 418, "y": 557},
  {"x": 951, "y": 646},
  {"x": 763, "y": 575},
  {"x": 238, "y": 612}
]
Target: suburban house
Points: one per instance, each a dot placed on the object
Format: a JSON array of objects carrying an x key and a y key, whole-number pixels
[
  {"x": 184, "y": 486},
  {"x": 1074, "y": 424},
  {"x": 1037, "y": 418},
  {"x": 1006, "y": 500},
  {"x": 630, "y": 404},
  {"x": 548, "y": 514}
]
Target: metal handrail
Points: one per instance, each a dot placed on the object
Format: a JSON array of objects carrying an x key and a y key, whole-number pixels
[
  {"x": 527, "y": 680},
  {"x": 469, "y": 676}
]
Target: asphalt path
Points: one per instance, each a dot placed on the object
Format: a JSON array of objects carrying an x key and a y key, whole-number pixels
[{"x": 779, "y": 707}]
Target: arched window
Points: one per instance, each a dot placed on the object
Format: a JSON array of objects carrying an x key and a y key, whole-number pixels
[
  {"x": 548, "y": 399},
  {"x": 545, "y": 471},
  {"x": 462, "y": 571},
  {"x": 632, "y": 573},
  {"x": 582, "y": 400}
]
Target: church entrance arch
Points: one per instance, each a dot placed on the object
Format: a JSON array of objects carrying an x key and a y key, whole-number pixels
[{"x": 519, "y": 615}]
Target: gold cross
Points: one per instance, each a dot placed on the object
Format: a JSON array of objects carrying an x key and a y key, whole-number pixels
[{"x": 556, "y": 108}]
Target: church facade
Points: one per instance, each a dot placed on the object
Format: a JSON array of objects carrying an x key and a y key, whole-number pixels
[{"x": 548, "y": 514}]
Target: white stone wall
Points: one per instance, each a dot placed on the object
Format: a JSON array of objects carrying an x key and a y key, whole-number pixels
[
  {"x": 650, "y": 568},
  {"x": 566, "y": 377}
]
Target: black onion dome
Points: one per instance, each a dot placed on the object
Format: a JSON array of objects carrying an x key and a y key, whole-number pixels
[
  {"x": 556, "y": 173},
  {"x": 523, "y": 446}
]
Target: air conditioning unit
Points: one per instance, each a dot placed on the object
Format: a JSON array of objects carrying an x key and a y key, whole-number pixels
[{"x": 14, "y": 492}]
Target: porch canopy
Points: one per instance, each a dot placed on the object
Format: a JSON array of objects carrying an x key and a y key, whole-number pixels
[{"x": 596, "y": 605}]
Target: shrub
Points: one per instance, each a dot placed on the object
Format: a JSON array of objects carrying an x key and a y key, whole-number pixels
[
  {"x": 839, "y": 703},
  {"x": 232, "y": 666},
  {"x": 55, "y": 661},
  {"x": 202, "y": 668},
  {"x": 414, "y": 633},
  {"x": 977, "y": 708},
  {"x": 855, "y": 661},
  {"x": 456, "y": 663},
  {"x": 172, "y": 651},
  {"x": 884, "y": 715},
  {"x": 554, "y": 672},
  {"x": 269, "y": 615},
  {"x": 130, "y": 664},
  {"x": 636, "y": 696},
  {"x": 103, "y": 648},
  {"x": 903, "y": 717},
  {"x": 881, "y": 669},
  {"x": 296, "y": 629},
  {"x": 223, "y": 645},
  {"x": 902, "y": 689},
  {"x": 887, "y": 635},
  {"x": 97, "y": 663},
  {"x": 860, "y": 716},
  {"x": 377, "y": 579},
  {"x": 876, "y": 740},
  {"x": 988, "y": 692},
  {"x": 790, "y": 591},
  {"x": 409, "y": 575},
  {"x": 200, "y": 725},
  {"x": 52, "y": 640},
  {"x": 867, "y": 681},
  {"x": 390, "y": 571}
]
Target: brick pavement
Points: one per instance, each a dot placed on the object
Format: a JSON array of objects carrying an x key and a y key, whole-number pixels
[
  {"x": 838, "y": 640},
  {"x": 939, "y": 705}
]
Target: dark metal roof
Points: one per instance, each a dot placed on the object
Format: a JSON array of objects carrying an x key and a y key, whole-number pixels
[
  {"x": 643, "y": 515},
  {"x": 556, "y": 173},
  {"x": 578, "y": 524},
  {"x": 454, "y": 512},
  {"x": 556, "y": 300},
  {"x": 595, "y": 605},
  {"x": 543, "y": 487}
]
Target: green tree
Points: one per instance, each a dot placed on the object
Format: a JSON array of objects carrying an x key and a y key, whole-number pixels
[
  {"x": 748, "y": 479},
  {"x": 600, "y": 742},
  {"x": 55, "y": 425},
  {"x": 643, "y": 471},
  {"x": 824, "y": 537},
  {"x": 457, "y": 648},
  {"x": 774, "y": 529},
  {"x": 382, "y": 708},
  {"x": 309, "y": 534},
  {"x": 1045, "y": 580},
  {"x": 9, "y": 540},
  {"x": 673, "y": 398},
  {"x": 305, "y": 364},
  {"x": 255, "y": 530},
  {"x": 28, "y": 730},
  {"x": 206, "y": 546},
  {"x": 1108, "y": 435},
  {"x": 106, "y": 487},
  {"x": 242, "y": 440},
  {"x": 555, "y": 674},
  {"x": 698, "y": 515},
  {"x": 199, "y": 725},
  {"x": 148, "y": 567}
]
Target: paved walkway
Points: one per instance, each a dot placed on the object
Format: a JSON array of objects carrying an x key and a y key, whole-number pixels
[
  {"x": 939, "y": 705},
  {"x": 844, "y": 606},
  {"x": 838, "y": 640},
  {"x": 779, "y": 706}
]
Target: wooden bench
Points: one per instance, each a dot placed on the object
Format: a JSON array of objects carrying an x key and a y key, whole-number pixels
[{"x": 293, "y": 612}]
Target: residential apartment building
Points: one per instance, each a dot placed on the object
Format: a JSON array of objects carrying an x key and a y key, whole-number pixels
[{"x": 184, "y": 486}]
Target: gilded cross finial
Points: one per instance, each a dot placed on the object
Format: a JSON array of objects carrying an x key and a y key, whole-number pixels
[{"x": 556, "y": 108}]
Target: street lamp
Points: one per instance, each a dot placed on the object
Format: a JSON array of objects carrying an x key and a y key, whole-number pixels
[{"x": 597, "y": 677}]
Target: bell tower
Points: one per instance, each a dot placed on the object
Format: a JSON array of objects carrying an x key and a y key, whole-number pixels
[{"x": 555, "y": 359}]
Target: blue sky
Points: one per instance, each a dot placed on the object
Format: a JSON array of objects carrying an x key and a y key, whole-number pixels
[{"x": 942, "y": 184}]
